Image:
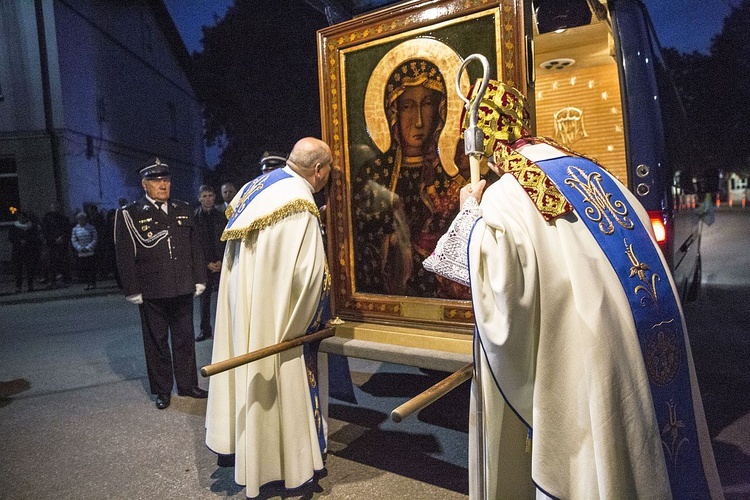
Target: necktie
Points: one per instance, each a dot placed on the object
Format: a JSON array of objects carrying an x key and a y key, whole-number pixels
[{"x": 159, "y": 205}]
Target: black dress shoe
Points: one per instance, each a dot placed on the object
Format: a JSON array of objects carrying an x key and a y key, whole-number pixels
[
  {"x": 225, "y": 460},
  {"x": 162, "y": 400},
  {"x": 195, "y": 392},
  {"x": 203, "y": 336}
]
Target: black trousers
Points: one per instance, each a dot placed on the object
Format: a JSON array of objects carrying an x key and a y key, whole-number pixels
[
  {"x": 87, "y": 269},
  {"x": 59, "y": 262},
  {"x": 164, "y": 322},
  {"x": 25, "y": 260},
  {"x": 212, "y": 284}
]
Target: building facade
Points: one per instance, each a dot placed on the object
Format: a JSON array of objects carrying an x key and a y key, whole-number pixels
[{"x": 89, "y": 90}]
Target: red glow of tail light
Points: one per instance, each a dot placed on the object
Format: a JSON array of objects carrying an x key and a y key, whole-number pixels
[{"x": 657, "y": 222}]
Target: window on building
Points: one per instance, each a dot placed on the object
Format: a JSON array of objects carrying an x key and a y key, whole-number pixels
[{"x": 10, "y": 199}]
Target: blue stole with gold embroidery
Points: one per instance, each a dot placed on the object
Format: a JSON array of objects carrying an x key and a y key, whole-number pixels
[
  {"x": 252, "y": 189},
  {"x": 310, "y": 350},
  {"x": 601, "y": 205}
]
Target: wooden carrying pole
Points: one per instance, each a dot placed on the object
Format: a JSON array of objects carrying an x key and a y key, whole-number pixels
[
  {"x": 432, "y": 394},
  {"x": 244, "y": 359},
  {"x": 474, "y": 168}
]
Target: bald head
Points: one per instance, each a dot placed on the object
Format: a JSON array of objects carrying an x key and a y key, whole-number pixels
[
  {"x": 312, "y": 159},
  {"x": 309, "y": 151}
]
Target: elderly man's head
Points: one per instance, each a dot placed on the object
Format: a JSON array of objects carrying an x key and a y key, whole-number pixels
[
  {"x": 156, "y": 180},
  {"x": 312, "y": 159}
]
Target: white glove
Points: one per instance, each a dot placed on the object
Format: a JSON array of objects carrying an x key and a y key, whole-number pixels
[
  {"x": 199, "y": 288},
  {"x": 135, "y": 299}
]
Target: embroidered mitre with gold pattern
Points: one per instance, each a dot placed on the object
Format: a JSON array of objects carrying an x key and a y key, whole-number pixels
[{"x": 503, "y": 116}]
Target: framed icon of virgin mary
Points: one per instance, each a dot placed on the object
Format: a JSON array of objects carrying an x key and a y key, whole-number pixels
[{"x": 391, "y": 113}]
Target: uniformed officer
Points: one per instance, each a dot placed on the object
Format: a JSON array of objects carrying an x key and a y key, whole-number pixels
[
  {"x": 160, "y": 263},
  {"x": 271, "y": 161}
]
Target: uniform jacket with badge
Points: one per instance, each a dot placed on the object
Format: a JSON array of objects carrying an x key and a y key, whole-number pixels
[{"x": 158, "y": 254}]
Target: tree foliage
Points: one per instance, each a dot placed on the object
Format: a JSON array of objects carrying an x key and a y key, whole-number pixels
[
  {"x": 257, "y": 79},
  {"x": 730, "y": 53},
  {"x": 715, "y": 92}
]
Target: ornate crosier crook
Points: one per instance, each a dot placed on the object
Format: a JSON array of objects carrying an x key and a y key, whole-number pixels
[{"x": 473, "y": 135}]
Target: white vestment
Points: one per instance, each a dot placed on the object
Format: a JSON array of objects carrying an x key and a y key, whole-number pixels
[
  {"x": 556, "y": 351},
  {"x": 271, "y": 281}
]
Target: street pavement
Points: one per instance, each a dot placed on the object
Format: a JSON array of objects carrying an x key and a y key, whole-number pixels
[
  {"x": 77, "y": 420},
  {"x": 719, "y": 333}
]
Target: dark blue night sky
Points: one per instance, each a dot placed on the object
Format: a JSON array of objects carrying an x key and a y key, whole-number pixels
[{"x": 687, "y": 25}]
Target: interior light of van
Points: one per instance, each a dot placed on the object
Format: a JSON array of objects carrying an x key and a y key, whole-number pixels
[
  {"x": 657, "y": 223},
  {"x": 553, "y": 15}
]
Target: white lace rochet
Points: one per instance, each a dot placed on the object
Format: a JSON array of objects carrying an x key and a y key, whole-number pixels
[{"x": 451, "y": 257}]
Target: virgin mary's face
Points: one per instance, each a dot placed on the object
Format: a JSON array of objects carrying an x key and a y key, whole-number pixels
[{"x": 418, "y": 108}]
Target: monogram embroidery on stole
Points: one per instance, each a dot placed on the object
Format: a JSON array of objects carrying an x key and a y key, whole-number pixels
[{"x": 602, "y": 209}]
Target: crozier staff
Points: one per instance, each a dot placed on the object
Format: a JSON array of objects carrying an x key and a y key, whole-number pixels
[{"x": 161, "y": 267}]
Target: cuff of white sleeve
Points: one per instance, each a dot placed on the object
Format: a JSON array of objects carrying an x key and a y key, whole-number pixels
[{"x": 135, "y": 299}]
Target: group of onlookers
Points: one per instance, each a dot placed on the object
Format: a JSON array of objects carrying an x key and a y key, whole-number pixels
[{"x": 58, "y": 251}]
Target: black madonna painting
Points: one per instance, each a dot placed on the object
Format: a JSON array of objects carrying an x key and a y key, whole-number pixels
[
  {"x": 391, "y": 113},
  {"x": 406, "y": 195}
]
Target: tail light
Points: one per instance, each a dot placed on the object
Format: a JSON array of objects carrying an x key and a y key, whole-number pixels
[{"x": 657, "y": 222}]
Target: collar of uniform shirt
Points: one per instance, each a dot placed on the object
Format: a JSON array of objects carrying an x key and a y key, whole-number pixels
[{"x": 163, "y": 206}]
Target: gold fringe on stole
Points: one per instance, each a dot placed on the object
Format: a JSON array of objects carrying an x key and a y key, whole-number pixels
[{"x": 293, "y": 207}]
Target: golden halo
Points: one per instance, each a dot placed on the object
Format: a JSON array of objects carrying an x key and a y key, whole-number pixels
[{"x": 449, "y": 62}]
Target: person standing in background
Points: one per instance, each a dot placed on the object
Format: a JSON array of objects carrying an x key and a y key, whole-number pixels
[
  {"x": 26, "y": 241},
  {"x": 210, "y": 223},
  {"x": 84, "y": 239},
  {"x": 161, "y": 267},
  {"x": 227, "y": 193},
  {"x": 96, "y": 218},
  {"x": 271, "y": 161},
  {"x": 56, "y": 228}
]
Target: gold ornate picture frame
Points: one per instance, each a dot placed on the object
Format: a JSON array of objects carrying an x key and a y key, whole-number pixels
[{"x": 365, "y": 64}]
